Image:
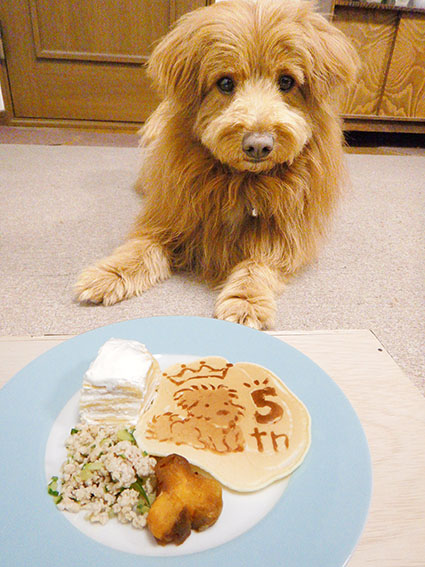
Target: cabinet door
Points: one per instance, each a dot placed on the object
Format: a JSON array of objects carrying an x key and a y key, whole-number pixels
[
  {"x": 404, "y": 94},
  {"x": 372, "y": 33},
  {"x": 84, "y": 59}
]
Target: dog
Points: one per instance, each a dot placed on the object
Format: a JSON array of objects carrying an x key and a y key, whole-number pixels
[{"x": 242, "y": 160}]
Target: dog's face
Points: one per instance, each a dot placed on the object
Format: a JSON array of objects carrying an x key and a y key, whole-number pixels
[
  {"x": 249, "y": 77},
  {"x": 254, "y": 121}
]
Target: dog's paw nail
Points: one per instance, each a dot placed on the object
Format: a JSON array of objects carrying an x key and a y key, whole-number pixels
[
  {"x": 97, "y": 285},
  {"x": 245, "y": 313}
]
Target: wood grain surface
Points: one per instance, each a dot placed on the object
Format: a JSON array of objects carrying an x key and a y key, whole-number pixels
[
  {"x": 78, "y": 29},
  {"x": 83, "y": 59},
  {"x": 404, "y": 93},
  {"x": 372, "y": 34}
]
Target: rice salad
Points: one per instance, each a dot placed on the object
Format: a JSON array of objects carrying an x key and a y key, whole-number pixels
[{"x": 106, "y": 475}]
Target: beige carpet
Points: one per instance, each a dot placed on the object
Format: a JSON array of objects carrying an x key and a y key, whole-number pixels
[{"x": 63, "y": 207}]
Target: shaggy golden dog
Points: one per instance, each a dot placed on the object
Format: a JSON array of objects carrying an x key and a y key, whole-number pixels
[{"x": 242, "y": 160}]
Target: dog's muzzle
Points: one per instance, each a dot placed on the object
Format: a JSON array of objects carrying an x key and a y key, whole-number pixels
[{"x": 257, "y": 145}]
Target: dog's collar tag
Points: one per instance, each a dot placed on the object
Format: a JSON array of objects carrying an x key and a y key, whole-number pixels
[{"x": 254, "y": 212}]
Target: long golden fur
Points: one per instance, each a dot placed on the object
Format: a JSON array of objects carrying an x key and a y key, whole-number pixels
[{"x": 243, "y": 223}]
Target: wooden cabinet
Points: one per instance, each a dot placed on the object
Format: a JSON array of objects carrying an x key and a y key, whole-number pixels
[
  {"x": 390, "y": 92},
  {"x": 81, "y": 62},
  {"x": 404, "y": 92}
]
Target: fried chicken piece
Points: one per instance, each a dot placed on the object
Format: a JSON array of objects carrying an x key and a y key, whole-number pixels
[{"x": 186, "y": 500}]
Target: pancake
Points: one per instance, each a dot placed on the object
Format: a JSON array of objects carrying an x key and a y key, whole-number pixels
[{"x": 238, "y": 422}]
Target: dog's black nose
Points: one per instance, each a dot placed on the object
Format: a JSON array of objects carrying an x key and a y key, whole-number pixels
[{"x": 257, "y": 145}]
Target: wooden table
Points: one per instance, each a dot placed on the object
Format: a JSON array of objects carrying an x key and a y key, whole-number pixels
[{"x": 391, "y": 410}]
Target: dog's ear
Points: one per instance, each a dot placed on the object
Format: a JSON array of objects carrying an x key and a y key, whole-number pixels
[
  {"x": 174, "y": 63},
  {"x": 333, "y": 60}
]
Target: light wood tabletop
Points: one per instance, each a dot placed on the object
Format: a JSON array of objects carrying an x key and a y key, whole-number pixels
[{"x": 391, "y": 410}]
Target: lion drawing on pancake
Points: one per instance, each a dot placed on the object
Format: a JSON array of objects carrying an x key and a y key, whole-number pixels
[{"x": 209, "y": 419}]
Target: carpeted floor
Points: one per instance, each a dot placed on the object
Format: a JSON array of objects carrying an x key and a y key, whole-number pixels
[{"x": 63, "y": 207}]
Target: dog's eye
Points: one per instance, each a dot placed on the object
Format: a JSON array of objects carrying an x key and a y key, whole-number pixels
[
  {"x": 226, "y": 85},
  {"x": 286, "y": 82}
]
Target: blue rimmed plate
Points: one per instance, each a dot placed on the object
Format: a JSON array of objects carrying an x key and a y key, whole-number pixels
[{"x": 315, "y": 522}]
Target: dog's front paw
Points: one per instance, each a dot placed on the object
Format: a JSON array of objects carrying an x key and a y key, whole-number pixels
[
  {"x": 257, "y": 313},
  {"x": 101, "y": 284},
  {"x": 133, "y": 268}
]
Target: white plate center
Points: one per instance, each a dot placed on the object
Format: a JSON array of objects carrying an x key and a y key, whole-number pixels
[{"x": 241, "y": 511}]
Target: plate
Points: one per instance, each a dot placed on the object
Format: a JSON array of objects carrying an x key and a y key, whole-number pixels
[
  {"x": 315, "y": 523},
  {"x": 240, "y": 511}
]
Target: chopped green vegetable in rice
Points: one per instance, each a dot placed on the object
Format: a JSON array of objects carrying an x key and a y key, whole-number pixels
[{"x": 106, "y": 475}]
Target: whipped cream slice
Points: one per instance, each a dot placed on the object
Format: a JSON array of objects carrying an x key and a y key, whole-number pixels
[{"x": 119, "y": 384}]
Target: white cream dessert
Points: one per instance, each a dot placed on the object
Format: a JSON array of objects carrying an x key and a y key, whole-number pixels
[{"x": 119, "y": 384}]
